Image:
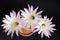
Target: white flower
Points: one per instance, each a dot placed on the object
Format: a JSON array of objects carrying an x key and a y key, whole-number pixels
[
  {"x": 45, "y": 27},
  {"x": 31, "y": 16},
  {"x": 13, "y": 23}
]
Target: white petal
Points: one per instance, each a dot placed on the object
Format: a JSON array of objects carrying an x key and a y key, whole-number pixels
[
  {"x": 45, "y": 18},
  {"x": 18, "y": 15},
  {"x": 52, "y": 25},
  {"x": 31, "y": 9},
  {"x": 23, "y": 22},
  {"x": 49, "y": 23},
  {"x": 11, "y": 14},
  {"x": 24, "y": 14},
  {"x": 28, "y": 6},
  {"x": 3, "y": 24},
  {"x": 41, "y": 35},
  {"x": 49, "y": 33},
  {"x": 9, "y": 32},
  {"x": 12, "y": 33},
  {"x": 14, "y": 13},
  {"x": 36, "y": 29},
  {"x": 46, "y": 33},
  {"x": 52, "y": 29},
  {"x": 40, "y": 12},
  {"x": 7, "y": 27},
  {"x": 26, "y": 10},
  {"x": 33, "y": 25},
  {"x": 8, "y": 18},
  {"x": 36, "y": 9},
  {"x": 39, "y": 32},
  {"x": 38, "y": 16},
  {"x": 22, "y": 11},
  {"x": 5, "y": 30},
  {"x": 17, "y": 32},
  {"x": 28, "y": 26},
  {"x": 4, "y": 18},
  {"x": 6, "y": 21},
  {"x": 51, "y": 19}
]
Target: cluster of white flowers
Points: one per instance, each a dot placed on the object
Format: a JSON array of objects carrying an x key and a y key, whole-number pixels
[{"x": 29, "y": 18}]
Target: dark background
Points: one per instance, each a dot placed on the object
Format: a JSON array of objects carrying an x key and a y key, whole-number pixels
[{"x": 51, "y": 9}]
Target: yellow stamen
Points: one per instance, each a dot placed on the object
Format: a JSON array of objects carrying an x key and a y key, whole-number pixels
[
  {"x": 43, "y": 25},
  {"x": 15, "y": 24},
  {"x": 31, "y": 18}
]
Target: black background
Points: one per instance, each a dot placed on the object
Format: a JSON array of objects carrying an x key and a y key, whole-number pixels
[{"x": 51, "y": 9}]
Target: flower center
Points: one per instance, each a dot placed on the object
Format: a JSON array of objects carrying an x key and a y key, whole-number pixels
[
  {"x": 32, "y": 18},
  {"x": 15, "y": 24},
  {"x": 43, "y": 25}
]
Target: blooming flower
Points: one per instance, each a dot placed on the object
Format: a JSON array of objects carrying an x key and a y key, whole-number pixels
[
  {"x": 31, "y": 16},
  {"x": 45, "y": 26},
  {"x": 13, "y": 23}
]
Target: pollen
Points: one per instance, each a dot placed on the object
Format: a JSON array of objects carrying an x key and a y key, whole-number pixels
[
  {"x": 43, "y": 25},
  {"x": 32, "y": 17},
  {"x": 15, "y": 24}
]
